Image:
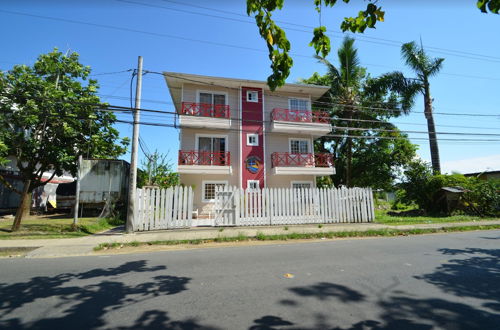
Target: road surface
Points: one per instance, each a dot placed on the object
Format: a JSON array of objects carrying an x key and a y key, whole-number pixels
[{"x": 445, "y": 281}]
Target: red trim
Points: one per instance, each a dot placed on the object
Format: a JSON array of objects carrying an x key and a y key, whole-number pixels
[
  {"x": 299, "y": 160},
  {"x": 252, "y": 115},
  {"x": 205, "y": 110},
  {"x": 193, "y": 157},
  {"x": 300, "y": 116}
]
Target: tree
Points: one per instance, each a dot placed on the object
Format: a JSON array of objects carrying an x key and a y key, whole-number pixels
[
  {"x": 157, "y": 171},
  {"x": 408, "y": 88},
  {"x": 353, "y": 114},
  {"x": 279, "y": 47},
  {"x": 49, "y": 116}
]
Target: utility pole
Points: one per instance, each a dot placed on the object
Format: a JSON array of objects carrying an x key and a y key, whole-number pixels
[
  {"x": 77, "y": 195},
  {"x": 133, "y": 159}
]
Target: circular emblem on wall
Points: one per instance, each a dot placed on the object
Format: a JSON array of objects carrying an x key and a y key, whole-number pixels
[{"x": 253, "y": 164}]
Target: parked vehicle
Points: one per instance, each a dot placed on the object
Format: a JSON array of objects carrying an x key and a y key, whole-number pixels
[{"x": 102, "y": 181}]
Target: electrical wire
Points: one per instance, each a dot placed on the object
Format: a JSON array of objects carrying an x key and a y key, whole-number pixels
[
  {"x": 354, "y": 107},
  {"x": 113, "y": 27}
]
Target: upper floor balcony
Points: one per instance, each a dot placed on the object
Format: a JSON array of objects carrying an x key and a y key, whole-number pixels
[
  {"x": 285, "y": 163},
  {"x": 300, "y": 122},
  {"x": 205, "y": 115},
  {"x": 204, "y": 162}
]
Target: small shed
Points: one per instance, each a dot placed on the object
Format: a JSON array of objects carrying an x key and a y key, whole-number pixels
[{"x": 448, "y": 199}]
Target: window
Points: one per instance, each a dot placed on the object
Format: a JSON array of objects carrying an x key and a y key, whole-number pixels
[
  {"x": 211, "y": 150},
  {"x": 299, "y": 146},
  {"x": 212, "y": 98},
  {"x": 209, "y": 189},
  {"x": 252, "y": 140},
  {"x": 298, "y": 104},
  {"x": 301, "y": 185},
  {"x": 252, "y": 96},
  {"x": 253, "y": 185}
]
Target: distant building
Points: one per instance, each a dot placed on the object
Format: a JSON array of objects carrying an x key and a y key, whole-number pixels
[{"x": 486, "y": 175}]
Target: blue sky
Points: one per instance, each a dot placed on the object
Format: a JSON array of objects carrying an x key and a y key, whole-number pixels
[{"x": 175, "y": 35}]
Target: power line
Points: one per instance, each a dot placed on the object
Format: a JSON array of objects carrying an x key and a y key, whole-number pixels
[
  {"x": 387, "y": 42},
  {"x": 109, "y": 73},
  {"x": 113, "y": 27},
  {"x": 327, "y": 135},
  {"x": 336, "y": 104}
]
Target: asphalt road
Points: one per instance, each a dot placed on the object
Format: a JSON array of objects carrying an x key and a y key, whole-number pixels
[{"x": 447, "y": 281}]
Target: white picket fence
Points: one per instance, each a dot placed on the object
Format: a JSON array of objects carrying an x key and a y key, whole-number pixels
[
  {"x": 173, "y": 207},
  {"x": 286, "y": 206},
  {"x": 163, "y": 208}
]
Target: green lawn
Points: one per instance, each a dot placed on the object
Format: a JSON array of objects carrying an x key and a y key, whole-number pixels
[
  {"x": 41, "y": 227},
  {"x": 382, "y": 216}
]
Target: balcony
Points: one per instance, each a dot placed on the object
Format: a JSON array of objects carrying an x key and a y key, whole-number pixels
[
  {"x": 300, "y": 122},
  {"x": 205, "y": 115},
  {"x": 204, "y": 162},
  {"x": 285, "y": 163}
]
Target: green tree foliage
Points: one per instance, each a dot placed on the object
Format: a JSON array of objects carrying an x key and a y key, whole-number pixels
[
  {"x": 367, "y": 148},
  {"x": 493, "y": 6},
  {"x": 420, "y": 186},
  {"x": 50, "y": 113},
  {"x": 424, "y": 67},
  {"x": 157, "y": 171},
  {"x": 279, "y": 46}
]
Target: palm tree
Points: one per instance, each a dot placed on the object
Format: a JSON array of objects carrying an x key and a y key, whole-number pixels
[
  {"x": 352, "y": 108},
  {"x": 345, "y": 83},
  {"x": 408, "y": 88}
]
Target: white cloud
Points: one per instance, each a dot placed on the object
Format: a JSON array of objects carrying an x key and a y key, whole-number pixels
[{"x": 472, "y": 165}]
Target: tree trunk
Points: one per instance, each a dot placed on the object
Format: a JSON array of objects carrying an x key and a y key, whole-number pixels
[
  {"x": 436, "y": 166},
  {"x": 348, "y": 168},
  {"x": 24, "y": 206},
  {"x": 349, "y": 154}
]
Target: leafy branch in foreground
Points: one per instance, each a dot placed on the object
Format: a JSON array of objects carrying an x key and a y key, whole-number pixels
[{"x": 279, "y": 46}]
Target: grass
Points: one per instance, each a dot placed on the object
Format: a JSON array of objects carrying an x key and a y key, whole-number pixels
[
  {"x": 55, "y": 227},
  {"x": 382, "y": 216},
  {"x": 293, "y": 236},
  {"x": 15, "y": 252}
]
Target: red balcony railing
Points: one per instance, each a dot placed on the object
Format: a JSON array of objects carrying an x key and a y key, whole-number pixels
[
  {"x": 306, "y": 160},
  {"x": 300, "y": 116},
  {"x": 205, "y": 110},
  {"x": 194, "y": 157}
]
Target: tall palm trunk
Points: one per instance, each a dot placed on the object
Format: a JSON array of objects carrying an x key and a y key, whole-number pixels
[
  {"x": 348, "y": 170},
  {"x": 436, "y": 166}
]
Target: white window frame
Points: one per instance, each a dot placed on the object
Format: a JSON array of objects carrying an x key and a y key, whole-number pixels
[
  {"x": 197, "y": 136},
  {"x": 256, "y": 143},
  {"x": 300, "y": 98},
  {"x": 310, "y": 183},
  {"x": 198, "y": 91},
  {"x": 253, "y": 181},
  {"x": 256, "y": 99},
  {"x": 203, "y": 189},
  {"x": 309, "y": 144}
]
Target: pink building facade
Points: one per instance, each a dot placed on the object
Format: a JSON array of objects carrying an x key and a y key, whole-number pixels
[{"x": 237, "y": 132}]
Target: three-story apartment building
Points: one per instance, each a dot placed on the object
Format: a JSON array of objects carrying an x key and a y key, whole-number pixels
[{"x": 237, "y": 132}]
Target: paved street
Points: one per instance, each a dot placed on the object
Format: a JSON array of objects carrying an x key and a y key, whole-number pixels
[{"x": 445, "y": 281}]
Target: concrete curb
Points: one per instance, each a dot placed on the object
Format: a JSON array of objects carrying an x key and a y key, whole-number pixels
[{"x": 49, "y": 248}]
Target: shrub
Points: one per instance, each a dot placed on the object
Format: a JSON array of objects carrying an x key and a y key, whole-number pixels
[{"x": 421, "y": 187}]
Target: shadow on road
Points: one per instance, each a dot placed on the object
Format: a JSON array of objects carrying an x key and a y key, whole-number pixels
[
  {"x": 75, "y": 304},
  {"x": 474, "y": 273},
  {"x": 325, "y": 291}
]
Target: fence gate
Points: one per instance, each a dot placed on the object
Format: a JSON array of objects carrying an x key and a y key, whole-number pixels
[{"x": 225, "y": 206}]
